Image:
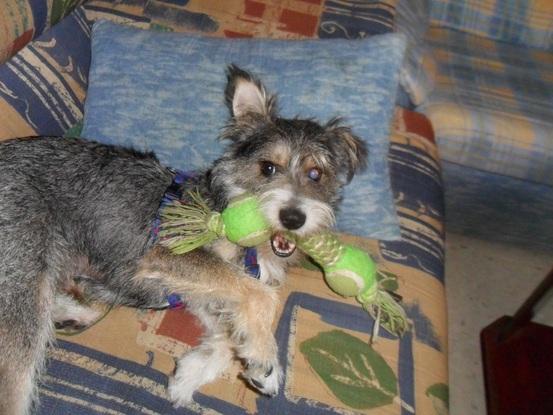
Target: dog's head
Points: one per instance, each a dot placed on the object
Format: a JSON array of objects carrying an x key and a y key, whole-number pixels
[{"x": 296, "y": 167}]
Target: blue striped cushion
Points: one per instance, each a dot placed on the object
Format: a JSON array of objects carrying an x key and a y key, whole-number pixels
[
  {"x": 23, "y": 20},
  {"x": 42, "y": 88}
]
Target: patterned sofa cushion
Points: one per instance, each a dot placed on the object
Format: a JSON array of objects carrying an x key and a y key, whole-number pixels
[
  {"x": 293, "y": 19},
  {"x": 23, "y": 20},
  {"x": 492, "y": 105},
  {"x": 519, "y": 22},
  {"x": 121, "y": 364},
  {"x": 42, "y": 88}
]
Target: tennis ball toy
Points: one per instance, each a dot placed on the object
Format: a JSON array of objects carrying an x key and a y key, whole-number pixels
[
  {"x": 348, "y": 270},
  {"x": 186, "y": 226}
]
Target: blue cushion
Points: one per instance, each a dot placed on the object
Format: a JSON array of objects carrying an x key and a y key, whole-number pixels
[{"x": 164, "y": 92}]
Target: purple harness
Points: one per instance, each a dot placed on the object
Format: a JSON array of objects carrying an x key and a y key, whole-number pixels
[{"x": 174, "y": 192}]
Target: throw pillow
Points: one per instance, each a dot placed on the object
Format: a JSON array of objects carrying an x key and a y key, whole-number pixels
[{"x": 164, "y": 92}]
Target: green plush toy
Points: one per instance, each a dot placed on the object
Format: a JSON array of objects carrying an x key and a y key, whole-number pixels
[{"x": 348, "y": 270}]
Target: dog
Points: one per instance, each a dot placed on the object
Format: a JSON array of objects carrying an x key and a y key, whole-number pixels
[{"x": 76, "y": 217}]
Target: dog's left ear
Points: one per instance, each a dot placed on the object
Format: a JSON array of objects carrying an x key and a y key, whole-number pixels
[
  {"x": 350, "y": 151},
  {"x": 245, "y": 94}
]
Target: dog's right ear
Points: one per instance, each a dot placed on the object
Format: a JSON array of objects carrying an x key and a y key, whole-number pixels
[
  {"x": 350, "y": 151},
  {"x": 244, "y": 94}
]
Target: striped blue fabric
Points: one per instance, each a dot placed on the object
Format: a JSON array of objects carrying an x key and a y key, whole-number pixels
[
  {"x": 354, "y": 19},
  {"x": 44, "y": 84},
  {"x": 417, "y": 183},
  {"x": 76, "y": 384}
]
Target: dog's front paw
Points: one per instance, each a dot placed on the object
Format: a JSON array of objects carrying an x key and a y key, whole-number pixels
[
  {"x": 265, "y": 378},
  {"x": 191, "y": 373},
  {"x": 180, "y": 391},
  {"x": 199, "y": 366},
  {"x": 260, "y": 356}
]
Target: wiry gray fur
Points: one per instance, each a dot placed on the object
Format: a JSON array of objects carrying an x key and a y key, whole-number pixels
[
  {"x": 68, "y": 207},
  {"x": 75, "y": 213}
]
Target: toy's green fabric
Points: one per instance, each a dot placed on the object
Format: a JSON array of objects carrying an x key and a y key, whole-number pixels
[
  {"x": 187, "y": 226},
  {"x": 349, "y": 271},
  {"x": 244, "y": 223}
]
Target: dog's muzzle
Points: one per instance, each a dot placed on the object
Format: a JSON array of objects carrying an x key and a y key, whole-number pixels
[{"x": 292, "y": 218}]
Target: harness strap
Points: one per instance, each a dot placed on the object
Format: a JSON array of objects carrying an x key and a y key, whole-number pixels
[{"x": 175, "y": 192}]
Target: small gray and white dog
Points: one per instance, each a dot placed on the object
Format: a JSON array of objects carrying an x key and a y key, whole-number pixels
[{"x": 76, "y": 216}]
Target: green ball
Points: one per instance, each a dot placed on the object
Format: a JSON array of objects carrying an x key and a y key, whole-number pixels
[
  {"x": 353, "y": 274},
  {"x": 244, "y": 222}
]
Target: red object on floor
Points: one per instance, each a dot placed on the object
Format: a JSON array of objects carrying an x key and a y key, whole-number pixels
[{"x": 517, "y": 357}]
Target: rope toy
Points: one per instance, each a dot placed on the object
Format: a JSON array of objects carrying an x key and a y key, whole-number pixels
[{"x": 348, "y": 270}]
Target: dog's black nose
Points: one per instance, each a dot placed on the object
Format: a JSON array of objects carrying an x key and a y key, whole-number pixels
[{"x": 292, "y": 218}]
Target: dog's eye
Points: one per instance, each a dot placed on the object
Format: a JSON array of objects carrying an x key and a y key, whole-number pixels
[
  {"x": 314, "y": 174},
  {"x": 267, "y": 168}
]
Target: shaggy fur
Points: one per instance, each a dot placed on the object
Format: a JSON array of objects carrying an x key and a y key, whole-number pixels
[{"x": 75, "y": 217}]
